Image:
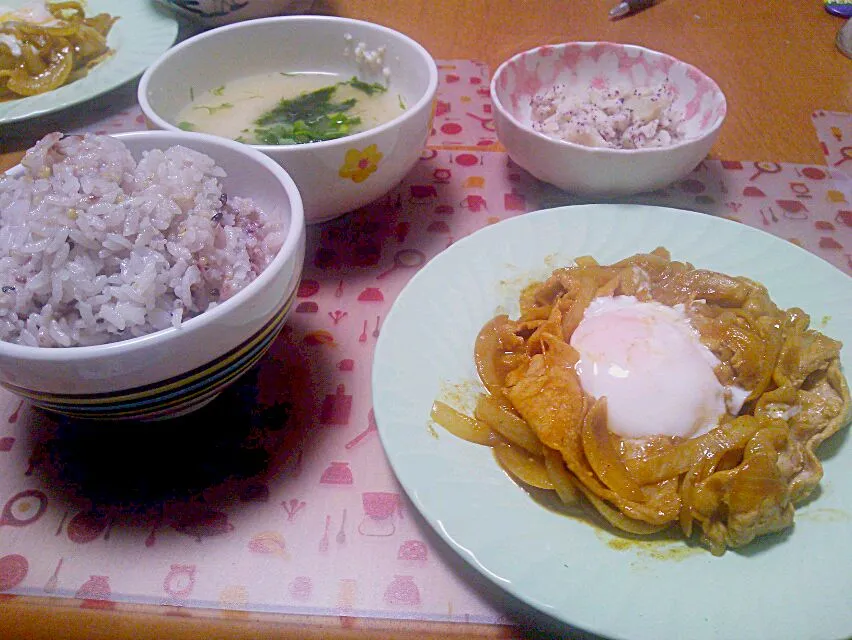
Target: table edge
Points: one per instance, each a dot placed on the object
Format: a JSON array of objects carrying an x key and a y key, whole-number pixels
[{"x": 39, "y": 618}]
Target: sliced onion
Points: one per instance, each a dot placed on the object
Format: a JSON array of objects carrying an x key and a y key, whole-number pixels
[
  {"x": 507, "y": 424},
  {"x": 460, "y": 425},
  {"x": 563, "y": 482},
  {"x": 526, "y": 468},
  {"x": 603, "y": 457},
  {"x": 684, "y": 455},
  {"x": 54, "y": 76},
  {"x": 618, "y": 519}
]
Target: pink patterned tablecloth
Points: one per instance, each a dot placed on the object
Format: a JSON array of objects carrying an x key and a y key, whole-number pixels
[{"x": 278, "y": 497}]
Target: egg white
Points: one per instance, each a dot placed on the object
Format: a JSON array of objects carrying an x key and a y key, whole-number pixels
[{"x": 648, "y": 361}]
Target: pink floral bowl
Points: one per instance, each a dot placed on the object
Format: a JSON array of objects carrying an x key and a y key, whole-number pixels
[
  {"x": 575, "y": 69},
  {"x": 333, "y": 176}
]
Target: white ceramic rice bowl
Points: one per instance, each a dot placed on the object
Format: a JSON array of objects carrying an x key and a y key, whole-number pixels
[
  {"x": 176, "y": 370},
  {"x": 322, "y": 170},
  {"x": 595, "y": 171}
]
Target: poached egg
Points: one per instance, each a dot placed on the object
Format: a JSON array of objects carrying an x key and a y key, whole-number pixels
[{"x": 648, "y": 361}]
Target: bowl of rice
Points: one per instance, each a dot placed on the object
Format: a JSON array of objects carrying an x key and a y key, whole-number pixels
[
  {"x": 349, "y": 148},
  {"x": 142, "y": 273},
  {"x": 605, "y": 119}
]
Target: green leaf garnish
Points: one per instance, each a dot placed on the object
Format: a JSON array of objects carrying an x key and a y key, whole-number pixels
[
  {"x": 186, "y": 126},
  {"x": 366, "y": 87},
  {"x": 310, "y": 117},
  {"x": 218, "y": 91},
  {"x": 213, "y": 109},
  {"x": 313, "y": 116}
]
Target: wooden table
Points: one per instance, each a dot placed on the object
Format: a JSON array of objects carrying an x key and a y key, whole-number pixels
[{"x": 776, "y": 63}]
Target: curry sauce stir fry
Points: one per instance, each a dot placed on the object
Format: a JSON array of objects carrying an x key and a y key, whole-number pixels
[
  {"x": 739, "y": 480},
  {"x": 40, "y": 55}
]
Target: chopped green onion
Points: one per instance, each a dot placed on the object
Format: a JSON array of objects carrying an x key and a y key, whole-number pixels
[
  {"x": 369, "y": 89},
  {"x": 310, "y": 117},
  {"x": 214, "y": 109}
]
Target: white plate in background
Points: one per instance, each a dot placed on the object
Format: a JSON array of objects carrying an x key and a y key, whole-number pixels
[{"x": 141, "y": 34}]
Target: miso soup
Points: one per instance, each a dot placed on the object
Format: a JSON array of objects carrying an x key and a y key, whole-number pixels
[{"x": 290, "y": 108}]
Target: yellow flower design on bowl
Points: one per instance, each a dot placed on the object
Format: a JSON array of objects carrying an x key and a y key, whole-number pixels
[{"x": 360, "y": 165}]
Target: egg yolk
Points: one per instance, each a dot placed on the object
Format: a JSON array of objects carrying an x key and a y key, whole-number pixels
[{"x": 648, "y": 361}]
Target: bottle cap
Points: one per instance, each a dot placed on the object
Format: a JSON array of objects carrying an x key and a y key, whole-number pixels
[{"x": 842, "y": 8}]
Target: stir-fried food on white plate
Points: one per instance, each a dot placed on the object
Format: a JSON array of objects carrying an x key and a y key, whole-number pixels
[
  {"x": 44, "y": 46},
  {"x": 660, "y": 395}
]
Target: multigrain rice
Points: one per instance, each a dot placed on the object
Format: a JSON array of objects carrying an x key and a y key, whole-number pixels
[{"x": 97, "y": 248}]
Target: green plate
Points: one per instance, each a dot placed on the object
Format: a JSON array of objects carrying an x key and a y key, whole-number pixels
[
  {"x": 142, "y": 33},
  {"x": 792, "y": 586}
]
